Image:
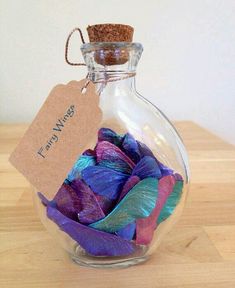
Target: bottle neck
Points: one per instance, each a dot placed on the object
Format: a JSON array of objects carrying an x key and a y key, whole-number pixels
[
  {"x": 114, "y": 82},
  {"x": 112, "y": 65},
  {"x": 114, "y": 91}
]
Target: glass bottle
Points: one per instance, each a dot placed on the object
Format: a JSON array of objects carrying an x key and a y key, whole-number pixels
[{"x": 112, "y": 67}]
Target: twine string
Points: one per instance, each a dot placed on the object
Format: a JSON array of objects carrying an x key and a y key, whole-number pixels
[{"x": 67, "y": 47}]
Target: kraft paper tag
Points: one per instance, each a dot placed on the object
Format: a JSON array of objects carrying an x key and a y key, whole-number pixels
[{"x": 58, "y": 135}]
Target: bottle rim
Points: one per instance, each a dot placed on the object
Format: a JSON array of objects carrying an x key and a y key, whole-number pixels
[{"x": 94, "y": 46}]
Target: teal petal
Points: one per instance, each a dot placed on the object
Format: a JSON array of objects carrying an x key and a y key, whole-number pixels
[
  {"x": 116, "y": 165},
  {"x": 83, "y": 162},
  {"x": 171, "y": 202},
  {"x": 138, "y": 203}
]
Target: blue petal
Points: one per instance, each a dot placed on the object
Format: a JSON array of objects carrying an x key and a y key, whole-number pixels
[
  {"x": 104, "y": 181},
  {"x": 83, "y": 162},
  {"x": 147, "y": 167},
  {"x": 138, "y": 203},
  {"x": 128, "y": 231},
  {"x": 145, "y": 151},
  {"x": 131, "y": 148}
]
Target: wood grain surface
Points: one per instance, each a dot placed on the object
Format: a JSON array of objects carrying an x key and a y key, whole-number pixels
[{"x": 198, "y": 252}]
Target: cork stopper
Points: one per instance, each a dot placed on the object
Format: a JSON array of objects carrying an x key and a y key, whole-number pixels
[{"x": 111, "y": 33}]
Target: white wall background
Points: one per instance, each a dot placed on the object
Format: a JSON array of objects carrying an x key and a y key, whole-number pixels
[{"x": 187, "y": 68}]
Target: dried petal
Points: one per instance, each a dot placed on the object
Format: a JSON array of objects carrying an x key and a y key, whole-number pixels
[
  {"x": 113, "y": 156},
  {"x": 94, "y": 242},
  {"x": 138, "y": 203},
  {"x": 45, "y": 201},
  {"x": 118, "y": 166},
  {"x": 89, "y": 152},
  {"x": 128, "y": 231},
  {"x": 105, "y": 203},
  {"x": 90, "y": 208},
  {"x": 171, "y": 202},
  {"x": 83, "y": 162},
  {"x": 165, "y": 170},
  {"x": 147, "y": 167},
  {"x": 130, "y": 183},
  {"x": 106, "y": 134},
  {"x": 145, "y": 227},
  {"x": 178, "y": 177},
  {"x": 104, "y": 181},
  {"x": 144, "y": 150},
  {"x": 68, "y": 202},
  {"x": 131, "y": 148}
]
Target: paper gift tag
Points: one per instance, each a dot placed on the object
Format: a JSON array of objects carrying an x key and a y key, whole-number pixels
[{"x": 58, "y": 135}]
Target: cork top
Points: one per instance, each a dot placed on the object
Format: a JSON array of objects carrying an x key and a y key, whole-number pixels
[{"x": 110, "y": 33}]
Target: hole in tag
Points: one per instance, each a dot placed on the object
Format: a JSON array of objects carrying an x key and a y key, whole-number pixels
[{"x": 83, "y": 90}]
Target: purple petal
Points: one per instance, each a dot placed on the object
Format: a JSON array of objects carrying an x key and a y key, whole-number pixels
[
  {"x": 165, "y": 170},
  {"x": 145, "y": 226},
  {"x": 178, "y": 177},
  {"x": 130, "y": 183},
  {"x": 147, "y": 167},
  {"x": 131, "y": 148},
  {"x": 144, "y": 150},
  {"x": 68, "y": 202},
  {"x": 128, "y": 231},
  {"x": 105, "y": 203},
  {"x": 90, "y": 208},
  {"x": 106, "y": 134},
  {"x": 44, "y": 200},
  {"x": 111, "y": 154},
  {"x": 104, "y": 181},
  {"x": 94, "y": 242}
]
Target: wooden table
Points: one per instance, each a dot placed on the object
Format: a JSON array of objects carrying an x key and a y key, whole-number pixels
[{"x": 199, "y": 252}]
